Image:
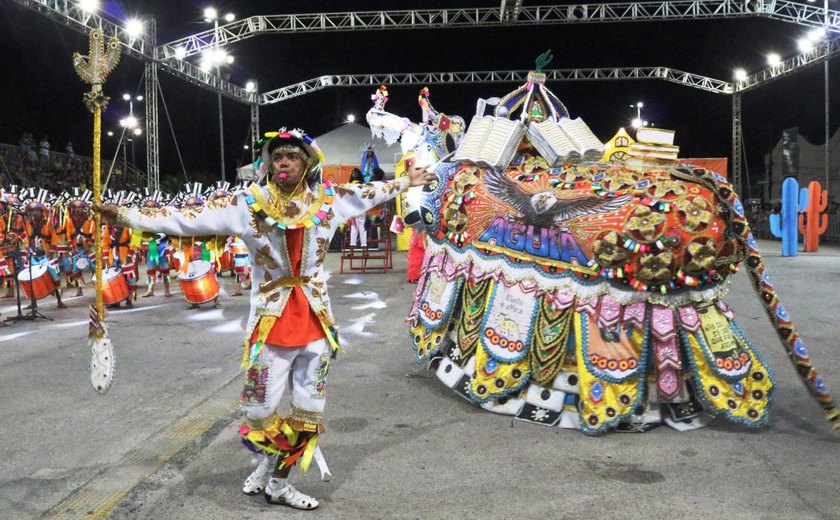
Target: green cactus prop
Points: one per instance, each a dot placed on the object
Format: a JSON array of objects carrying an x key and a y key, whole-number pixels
[{"x": 813, "y": 222}]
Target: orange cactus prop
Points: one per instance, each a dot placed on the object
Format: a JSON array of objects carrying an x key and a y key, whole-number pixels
[{"x": 812, "y": 221}]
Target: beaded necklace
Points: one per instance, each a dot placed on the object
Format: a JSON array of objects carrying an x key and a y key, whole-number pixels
[{"x": 314, "y": 215}]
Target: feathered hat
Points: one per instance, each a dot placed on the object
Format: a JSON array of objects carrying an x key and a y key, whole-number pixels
[{"x": 299, "y": 139}]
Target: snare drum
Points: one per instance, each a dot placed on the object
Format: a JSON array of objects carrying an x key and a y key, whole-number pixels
[
  {"x": 36, "y": 282},
  {"x": 199, "y": 283},
  {"x": 114, "y": 286}
]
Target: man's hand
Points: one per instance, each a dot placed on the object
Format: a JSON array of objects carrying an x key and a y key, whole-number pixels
[
  {"x": 107, "y": 212},
  {"x": 420, "y": 176}
]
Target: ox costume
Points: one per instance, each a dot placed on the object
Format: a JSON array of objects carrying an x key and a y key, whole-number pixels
[
  {"x": 576, "y": 293},
  {"x": 291, "y": 326}
]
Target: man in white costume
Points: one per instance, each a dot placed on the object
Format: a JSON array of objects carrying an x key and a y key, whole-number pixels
[{"x": 287, "y": 226}]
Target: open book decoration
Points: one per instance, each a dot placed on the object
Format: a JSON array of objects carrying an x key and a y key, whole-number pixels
[
  {"x": 565, "y": 141},
  {"x": 490, "y": 141}
]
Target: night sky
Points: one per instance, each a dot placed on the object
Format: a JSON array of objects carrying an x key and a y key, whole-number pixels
[{"x": 41, "y": 93}]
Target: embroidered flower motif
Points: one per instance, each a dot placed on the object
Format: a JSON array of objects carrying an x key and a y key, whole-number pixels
[
  {"x": 456, "y": 220},
  {"x": 664, "y": 187},
  {"x": 464, "y": 180},
  {"x": 325, "y": 222},
  {"x": 608, "y": 251},
  {"x": 620, "y": 181},
  {"x": 656, "y": 268},
  {"x": 321, "y": 252},
  {"x": 695, "y": 213},
  {"x": 152, "y": 212},
  {"x": 292, "y": 210},
  {"x": 573, "y": 175},
  {"x": 539, "y": 414},
  {"x": 645, "y": 223},
  {"x": 702, "y": 257}
]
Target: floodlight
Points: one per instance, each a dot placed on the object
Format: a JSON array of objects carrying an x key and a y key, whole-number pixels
[
  {"x": 740, "y": 74},
  {"x": 88, "y": 6},
  {"x": 773, "y": 59},
  {"x": 134, "y": 27},
  {"x": 805, "y": 45},
  {"x": 817, "y": 34},
  {"x": 210, "y": 14}
]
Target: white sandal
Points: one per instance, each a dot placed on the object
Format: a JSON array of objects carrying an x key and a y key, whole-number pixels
[
  {"x": 258, "y": 478},
  {"x": 289, "y": 496}
]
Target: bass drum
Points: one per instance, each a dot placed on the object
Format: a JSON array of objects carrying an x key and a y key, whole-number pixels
[
  {"x": 36, "y": 282},
  {"x": 114, "y": 286}
]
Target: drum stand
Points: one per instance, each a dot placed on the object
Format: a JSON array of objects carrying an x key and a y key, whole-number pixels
[{"x": 33, "y": 314}]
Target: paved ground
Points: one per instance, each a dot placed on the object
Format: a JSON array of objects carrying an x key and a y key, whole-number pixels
[{"x": 162, "y": 443}]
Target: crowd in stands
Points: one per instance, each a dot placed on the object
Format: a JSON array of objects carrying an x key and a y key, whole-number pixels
[{"x": 36, "y": 164}]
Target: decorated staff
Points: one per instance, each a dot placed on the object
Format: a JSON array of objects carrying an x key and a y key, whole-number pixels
[{"x": 93, "y": 69}]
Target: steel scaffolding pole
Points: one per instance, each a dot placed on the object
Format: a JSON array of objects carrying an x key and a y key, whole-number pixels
[
  {"x": 255, "y": 123},
  {"x": 737, "y": 147},
  {"x": 152, "y": 143}
]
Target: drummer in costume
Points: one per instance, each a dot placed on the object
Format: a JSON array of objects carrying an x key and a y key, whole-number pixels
[
  {"x": 40, "y": 237},
  {"x": 233, "y": 247},
  {"x": 196, "y": 249},
  {"x": 116, "y": 240},
  {"x": 77, "y": 232},
  {"x": 157, "y": 251},
  {"x": 287, "y": 226},
  {"x": 12, "y": 229}
]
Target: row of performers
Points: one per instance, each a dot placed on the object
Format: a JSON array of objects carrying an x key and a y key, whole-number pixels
[{"x": 38, "y": 245}]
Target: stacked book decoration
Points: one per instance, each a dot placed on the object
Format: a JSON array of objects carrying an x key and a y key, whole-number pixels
[{"x": 654, "y": 147}]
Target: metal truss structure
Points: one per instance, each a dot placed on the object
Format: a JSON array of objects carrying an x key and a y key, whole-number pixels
[
  {"x": 169, "y": 56},
  {"x": 511, "y": 76},
  {"x": 509, "y": 13}
]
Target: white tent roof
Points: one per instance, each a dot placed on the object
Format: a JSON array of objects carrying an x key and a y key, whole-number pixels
[{"x": 341, "y": 147}]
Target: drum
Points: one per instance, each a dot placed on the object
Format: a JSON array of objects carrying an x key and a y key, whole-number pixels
[
  {"x": 114, "y": 286},
  {"x": 238, "y": 248},
  {"x": 36, "y": 282},
  {"x": 199, "y": 283},
  {"x": 226, "y": 262},
  {"x": 82, "y": 263}
]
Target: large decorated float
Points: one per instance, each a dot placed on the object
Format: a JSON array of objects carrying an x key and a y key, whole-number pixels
[{"x": 577, "y": 293}]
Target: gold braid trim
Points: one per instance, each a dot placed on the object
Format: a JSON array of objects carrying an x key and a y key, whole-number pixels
[
  {"x": 263, "y": 424},
  {"x": 123, "y": 217},
  {"x": 300, "y": 426},
  {"x": 299, "y": 415}
]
